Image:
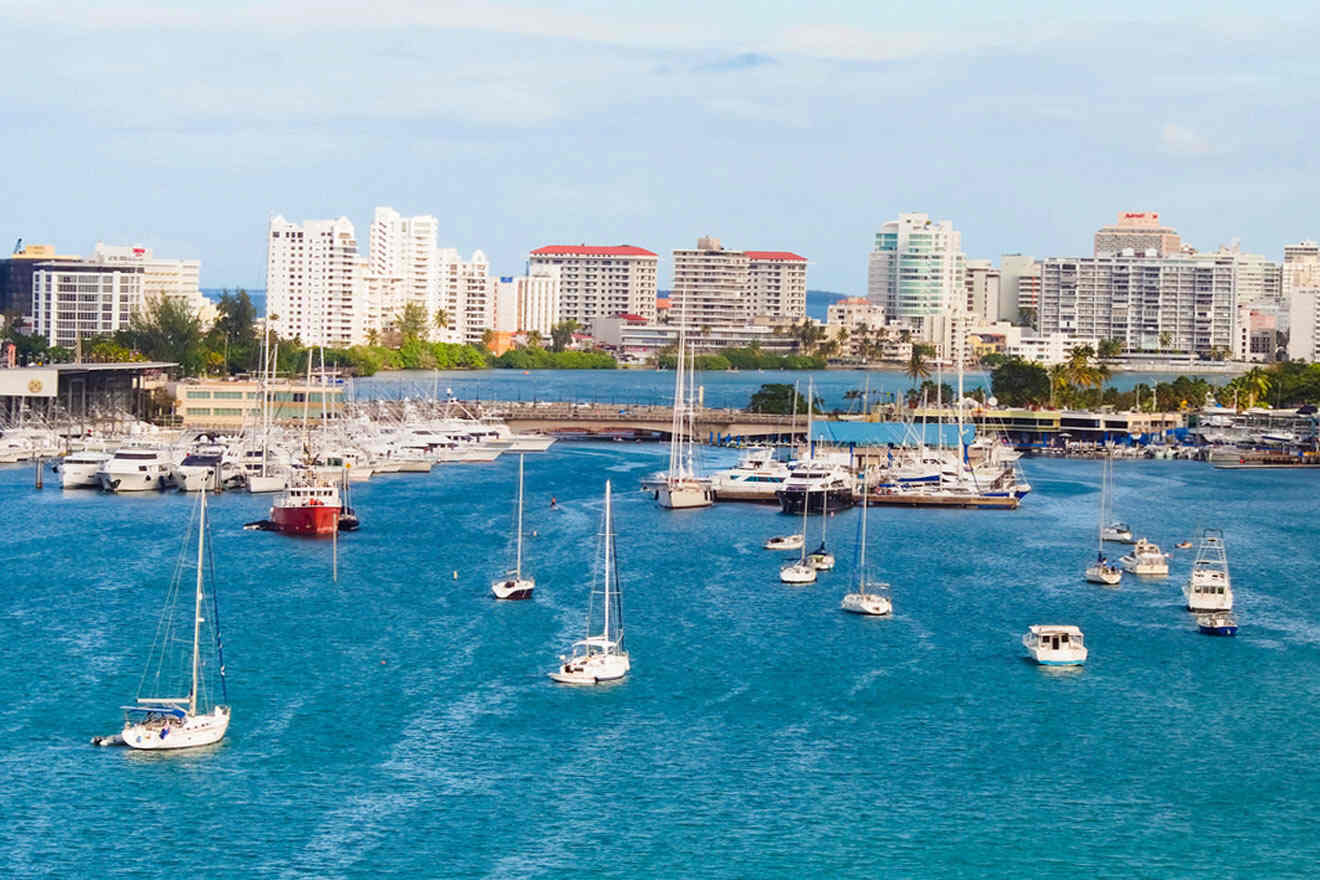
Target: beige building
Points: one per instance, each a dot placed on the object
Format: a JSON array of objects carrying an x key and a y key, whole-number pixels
[
  {"x": 1139, "y": 232},
  {"x": 982, "y": 280},
  {"x": 528, "y": 303},
  {"x": 599, "y": 282},
  {"x": 777, "y": 284},
  {"x": 219, "y": 403},
  {"x": 710, "y": 286}
]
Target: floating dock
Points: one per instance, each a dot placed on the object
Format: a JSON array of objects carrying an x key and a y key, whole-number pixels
[{"x": 925, "y": 499}]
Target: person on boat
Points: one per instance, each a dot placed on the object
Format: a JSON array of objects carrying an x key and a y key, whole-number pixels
[{"x": 554, "y": 503}]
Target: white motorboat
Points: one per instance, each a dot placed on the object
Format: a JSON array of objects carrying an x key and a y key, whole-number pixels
[
  {"x": 161, "y": 721},
  {"x": 600, "y": 657},
  {"x": 785, "y": 542},
  {"x": 1055, "y": 645},
  {"x": 208, "y": 467},
  {"x": 756, "y": 477},
  {"x": 1145, "y": 559},
  {"x": 78, "y": 469},
  {"x": 514, "y": 584},
  {"x": 871, "y": 599},
  {"x": 136, "y": 469},
  {"x": 1101, "y": 571},
  {"x": 800, "y": 571},
  {"x": 1209, "y": 587},
  {"x": 1117, "y": 533}
]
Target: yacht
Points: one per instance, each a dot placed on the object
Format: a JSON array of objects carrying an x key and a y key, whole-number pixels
[
  {"x": 1209, "y": 587},
  {"x": 78, "y": 469},
  {"x": 208, "y": 467},
  {"x": 1217, "y": 623},
  {"x": 1054, "y": 645},
  {"x": 600, "y": 657},
  {"x": 1117, "y": 533},
  {"x": 307, "y": 510},
  {"x": 1145, "y": 558},
  {"x": 136, "y": 469},
  {"x": 756, "y": 477},
  {"x": 816, "y": 487}
]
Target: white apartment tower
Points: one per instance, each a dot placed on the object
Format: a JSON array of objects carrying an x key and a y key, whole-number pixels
[
  {"x": 528, "y": 302},
  {"x": 710, "y": 286},
  {"x": 405, "y": 247},
  {"x": 312, "y": 270},
  {"x": 600, "y": 282},
  {"x": 776, "y": 284},
  {"x": 75, "y": 299},
  {"x": 1017, "y": 271},
  {"x": 916, "y": 268}
]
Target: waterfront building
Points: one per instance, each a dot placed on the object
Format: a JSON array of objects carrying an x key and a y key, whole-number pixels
[
  {"x": 1256, "y": 337},
  {"x": 467, "y": 298},
  {"x": 1140, "y": 232},
  {"x": 527, "y": 303},
  {"x": 234, "y": 404},
  {"x": 597, "y": 282},
  {"x": 855, "y": 322},
  {"x": 313, "y": 272},
  {"x": 405, "y": 247},
  {"x": 634, "y": 340},
  {"x": 710, "y": 286},
  {"x": 1148, "y": 303},
  {"x": 1012, "y": 268},
  {"x": 776, "y": 284},
  {"x": 983, "y": 290},
  {"x": 916, "y": 268},
  {"x": 75, "y": 299},
  {"x": 1304, "y": 325}
]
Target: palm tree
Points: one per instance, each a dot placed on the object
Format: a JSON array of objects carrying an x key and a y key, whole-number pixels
[
  {"x": 1109, "y": 348},
  {"x": 1166, "y": 340},
  {"x": 441, "y": 319},
  {"x": 917, "y": 367},
  {"x": 535, "y": 340},
  {"x": 373, "y": 337},
  {"x": 1255, "y": 385}
]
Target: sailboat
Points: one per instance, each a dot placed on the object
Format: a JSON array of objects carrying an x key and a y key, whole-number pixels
[
  {"x": 1100, "y": 571},
  {"x": 162, "y": 721},
  {"x": 864, "y": 601},
  {"x": 600, "y": 657},
  {"x": 682, "y": 488},
  {"x": 802, "y": 571},
  {"x": 821, "y": 558},
  {"x": 514, "y": 585}
]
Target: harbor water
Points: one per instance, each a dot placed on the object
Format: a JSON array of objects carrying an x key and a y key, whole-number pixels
[{"x": 400, "y": 722}]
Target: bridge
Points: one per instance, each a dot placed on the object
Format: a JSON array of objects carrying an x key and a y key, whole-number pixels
[{"x": 604, "y": 420}]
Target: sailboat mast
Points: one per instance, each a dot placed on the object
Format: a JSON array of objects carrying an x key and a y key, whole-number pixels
[
  {"x": 197, "y": 607},
  {"x": 811, "y": 392},
  {"x": 517, "y": 566},
  {"x": 806, "y": 502},
  {"x": 861, "y": 551},
  {"x": 676, "y": 427},
  {"x": 609, "y": 537}
]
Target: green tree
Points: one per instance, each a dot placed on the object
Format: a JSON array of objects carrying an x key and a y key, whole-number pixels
[
  {"x": 535, "y": 339},
  {"x": 441, "y": 319},
  {"x": 918, "y": 366},
  {"x": 1017, "y": 382},
  {"x": 562, "y": 334},
  {"x": 780, "y": 398},
  {"x": 233, "y": 334},
  {"x": 1028, "y": 316},
  {"x": 1109, "y": 348},
  {"x": 413, "y": 323},
  {"x": 164, "y": 330},
  {"x": 1166, "y": 340}
]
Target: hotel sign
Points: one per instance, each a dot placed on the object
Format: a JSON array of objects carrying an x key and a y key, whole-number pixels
[{"x": 29, "y": 382}]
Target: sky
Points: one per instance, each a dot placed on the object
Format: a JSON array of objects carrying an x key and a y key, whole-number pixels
[{"x": 770, "y": 125}]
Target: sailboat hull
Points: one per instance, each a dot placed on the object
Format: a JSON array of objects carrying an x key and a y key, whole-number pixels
[
  {"x": 193, "y": 731},
  {"x": 513, "y": 589},
  {"x": 792, "y": 500},
  {"x": 870, "y": 604},
  {"x": 684, "y": 495},
  {"x": 595, "y": 670},
  {"x": 257, "y": 483}
]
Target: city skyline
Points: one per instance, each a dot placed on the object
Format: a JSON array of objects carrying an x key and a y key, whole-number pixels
[{"x": 519, "y": 128}]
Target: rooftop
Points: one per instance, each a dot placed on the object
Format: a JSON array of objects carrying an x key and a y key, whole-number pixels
[
  {"x": 774, "y": 255},
  {"x": 586, "y": 250}
]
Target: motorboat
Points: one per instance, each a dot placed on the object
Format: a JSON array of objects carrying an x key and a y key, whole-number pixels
[
  {"x": 208, "y": 467},
  {"x": 816, "y": 487},
  {"x": 136, "y": 469},
  {"x": 756, "y": 477},
  {"x": 1217, "y": 623},
  {"x": 1145, "y": 559},
  {"x": 1209, "y": 587},
  {"x": 78, "y": 470},
  {"x": 515, "y": 584},
  {"x": 161, "y": 721},
  {"x": 785, "y": 542},
  {"x": 1055, "y": 645},
  {"x": 1117, "y": 533},
  {"x": 307, "y": 510},
  {"x": 600, "y": 657}
]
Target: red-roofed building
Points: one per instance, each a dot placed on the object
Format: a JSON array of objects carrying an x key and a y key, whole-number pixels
[
  {"x": 716, "y": 287},
  {"x": 598, "y": 281}
]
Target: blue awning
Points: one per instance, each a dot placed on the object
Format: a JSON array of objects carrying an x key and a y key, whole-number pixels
[{"x": 885, "y": 433}]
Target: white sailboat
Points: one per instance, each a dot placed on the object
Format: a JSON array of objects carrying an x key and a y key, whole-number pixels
[
  {"x": 168, "y": 722},
  {"x": 799, "y": 572},
  {"x": 1101, "y": 571},
  {"x": 821, "y": 558},
  {"x": 514, "y": 585},
  {"x": 874, "y": 602},
  {"x": 682, "y": 488},
  {"x": 600, "y": 657}
]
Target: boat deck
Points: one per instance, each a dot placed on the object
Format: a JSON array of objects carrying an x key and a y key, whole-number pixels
[{"x": 919, "y": 499}]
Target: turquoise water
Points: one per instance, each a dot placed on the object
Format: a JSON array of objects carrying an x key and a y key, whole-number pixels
[{"x": 400, "y": 722}]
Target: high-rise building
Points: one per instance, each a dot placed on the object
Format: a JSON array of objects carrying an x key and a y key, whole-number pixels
[
  {"x": 1012, "y": 267},
  {"x": 312, "y": 274},
  {"x": 1179, "y": 303},
  {"x": 1139, "y": 232},
  {"x": 601, "y": 281},
  {"x": 776, "y": 284},
  {"x": 916, "y": 268},
  {"x": 710, "y": 286},
  {"x": 528, "y": 303},
  {"x": 1304, "y": 325},
  {"x": 468, "y": 297},
  {"x": 75, "y": 299},
  {"x": 1257, "y": 280},
  {"x": 16, "y": 277},
  {"x": 982, "y": 280},
  {"x": 1028, "y": 295},
  {"x": 177, "y": 280},
  {"x": 1301, "y": 267},
  {"x": 406, "y": 247}
]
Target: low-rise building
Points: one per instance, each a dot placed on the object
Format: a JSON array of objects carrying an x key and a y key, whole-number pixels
[
  {"x": 635, "y": 341},
  {"x": 232, "y": 404}
]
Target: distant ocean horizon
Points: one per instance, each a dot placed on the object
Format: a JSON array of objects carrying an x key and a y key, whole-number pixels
[{"x": 818, "y": 301}]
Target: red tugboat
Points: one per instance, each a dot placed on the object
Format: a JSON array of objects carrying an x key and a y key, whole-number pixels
[{"x": 306, "y": 510}]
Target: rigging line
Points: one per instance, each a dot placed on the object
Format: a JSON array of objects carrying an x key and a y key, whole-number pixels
[
  {"x": 215, "y": 613},
  {"x": 165, "y": 623}
]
